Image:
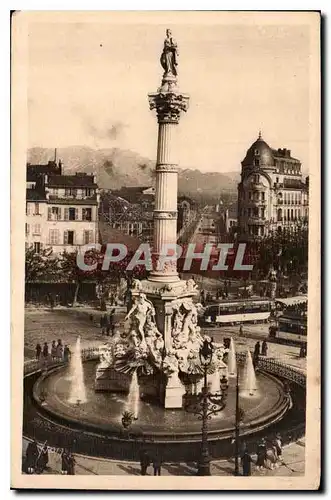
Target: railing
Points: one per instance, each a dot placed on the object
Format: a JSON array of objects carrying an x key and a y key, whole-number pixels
[
  {"x": 278, "y": 368},
  {"x": 33, "y": 365}
]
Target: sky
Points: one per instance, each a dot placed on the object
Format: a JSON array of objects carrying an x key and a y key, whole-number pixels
[{"x": 88, "y": 81}]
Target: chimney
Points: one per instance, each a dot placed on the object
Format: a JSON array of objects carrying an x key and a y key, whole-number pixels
[{"x": 60, "y": 167}]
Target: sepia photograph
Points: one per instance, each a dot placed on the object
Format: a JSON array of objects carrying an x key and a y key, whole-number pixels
[{"x": 165, "y": 245}]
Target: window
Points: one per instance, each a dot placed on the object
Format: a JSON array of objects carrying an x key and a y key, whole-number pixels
[
  {"x": 256, "y": 212},
  {"x": 257, "y": 152},
  {"x": 88, "y": 237},
  {"x": 250, "y": 195},
  {"x": 28, "y": 209},
  {"x": 37, "y": 246},
  {"x": 36, "y": 229},
  {"x": 263, "y": 196},
  {"x": 27, "y": 228},
  {"x": 87, "y": 214},
  {"x": 256, "y": 162},
  {"x": 277, "y": 180},
  {"x": 69, "y": 237},
  {"x": 89, "y": 192},
  {"x": 262, "y": 213},
  {"x": 72, "y": 192},
  {"x": 54, "y": 237},
  {"x": 72, "y": 213},
  {"x": 36, "y": 209},
  {"x": 54, "y": 213}
]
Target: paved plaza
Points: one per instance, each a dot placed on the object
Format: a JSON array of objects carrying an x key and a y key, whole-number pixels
[{"x": 47, "y": 325}]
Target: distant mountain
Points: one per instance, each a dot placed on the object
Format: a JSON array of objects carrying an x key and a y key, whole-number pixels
[{"x": 117, "y": 167}]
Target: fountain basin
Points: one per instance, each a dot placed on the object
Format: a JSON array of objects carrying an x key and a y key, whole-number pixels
[{"x": 103, "y": 411}]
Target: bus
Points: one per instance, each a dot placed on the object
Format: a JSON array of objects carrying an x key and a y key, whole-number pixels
[{"x": 238, "y": 311}]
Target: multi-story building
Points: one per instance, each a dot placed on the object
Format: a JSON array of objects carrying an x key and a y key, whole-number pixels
[
  {"x": 272, "y": 194},
  {"x": 61, "y": 210}
]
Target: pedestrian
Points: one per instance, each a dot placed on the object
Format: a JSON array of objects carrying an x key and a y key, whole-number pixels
[
  {"x": 103, "y": 324},
  {"x": 157, "y": 463},
  {"x": 246, "y": 461},
  {"x": 59, "y": 350},
  {"x": 68, "y": 463},
  {"x": 45, "y": 351},
  {"x": 53, "y": 350},
  {"x": 31, "y": 457},
  {"x": 257, "y": 349},
  {"x": 111, "y": 322},
  {"x": 71, "y": 463},
  {"x": 66, "y": 354},
  {"x": 38, "y": 351},
  {"x": 144, "y": 462},
  {"x": 264, "y": 348},
  {"x": 42, "y": 461},
  {"x": 241, "y": 331},
  {"x": 278, "y": 444},
  {"x": 51, "y": 301},
  {"x": 261, "y": 454}
]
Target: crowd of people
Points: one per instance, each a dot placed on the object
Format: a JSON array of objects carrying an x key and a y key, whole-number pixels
[
  {"x": 54, "y": 352},
  {"x": 264, "y": 454},
  {"x": 37, "y": 458}
]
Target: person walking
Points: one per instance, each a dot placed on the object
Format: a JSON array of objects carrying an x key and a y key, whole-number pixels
[
  {"x": 66, "y": 354},
  {"x": 241, "y": 330},
  {"x": 53, "y": 350},
  {"x": 264, "y": 348},
  {"x": 261, "y": 454},
  {"x": 42, "y": 461},
  {"x": 45, "y": 351},
  {"x": 59, "y": 350},
  {"x": 68, "y": 463},
  {"x": 278, "y": 444},
  {"x": 144, "y": 462},
  {"x": 157, "y": 463},
  {"x": 111, "y": 322},
  {"x": 31, "y": 457},
  {"x": 38, "y": 351},
  {"x": 246, "y": 461},
  {"x": 103, "y": 324}
]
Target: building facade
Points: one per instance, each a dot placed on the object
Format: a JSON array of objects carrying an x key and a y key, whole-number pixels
[
  {"x": 272, "y": 194},
  {"x": 61, "y": 210}
]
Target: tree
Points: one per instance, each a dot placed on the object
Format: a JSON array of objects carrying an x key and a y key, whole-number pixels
[
  {"x": 39, "y": 266},
  {"x": 72, "y": 272}
]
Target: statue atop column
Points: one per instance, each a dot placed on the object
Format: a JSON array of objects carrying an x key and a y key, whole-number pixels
[{"x": 169, "y": 55}]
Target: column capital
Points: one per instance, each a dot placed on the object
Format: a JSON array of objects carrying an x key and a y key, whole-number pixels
[{"x": 168, "y": 105}]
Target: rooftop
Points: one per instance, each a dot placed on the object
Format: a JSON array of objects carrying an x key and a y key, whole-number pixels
[{"x": 78, "y": 180}]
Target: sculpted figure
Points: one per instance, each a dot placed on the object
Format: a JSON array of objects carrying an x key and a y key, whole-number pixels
[
  {"x": 169, "y": 55},
  {"x": 136, "y": 284},
  {"x": 138, "y": 312},
  {"x": 191, "y": 285}
]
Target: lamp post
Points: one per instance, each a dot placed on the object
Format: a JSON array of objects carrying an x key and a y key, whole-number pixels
[
  {"x": 239, "y": 415},
  {"x": 205, "y": 405}
]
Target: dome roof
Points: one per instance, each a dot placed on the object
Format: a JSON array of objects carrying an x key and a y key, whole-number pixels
[{"x": 260, "y": 151}]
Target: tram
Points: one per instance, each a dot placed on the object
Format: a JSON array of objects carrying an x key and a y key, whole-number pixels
[
  {"x": 238, "y": 311},
  {"x": 292, "y": 322}
]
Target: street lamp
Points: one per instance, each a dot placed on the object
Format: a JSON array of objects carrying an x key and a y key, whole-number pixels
[{"x": 206, "y": 404}]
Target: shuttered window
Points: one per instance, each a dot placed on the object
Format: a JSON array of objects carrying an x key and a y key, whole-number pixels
[
  {"x": 66, "y": 213},
  {"x": 54, "y": 237},
  {"x": 88, "y": 237}
]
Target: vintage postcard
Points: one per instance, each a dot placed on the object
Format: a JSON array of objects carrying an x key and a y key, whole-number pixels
[{"x": 166, "y": 250}]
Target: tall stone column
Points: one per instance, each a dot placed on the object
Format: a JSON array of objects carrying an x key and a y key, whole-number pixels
[{"x": 169, "y": 103}]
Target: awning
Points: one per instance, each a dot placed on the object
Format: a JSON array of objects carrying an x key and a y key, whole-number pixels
[{"x": 291, "y": 301}]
